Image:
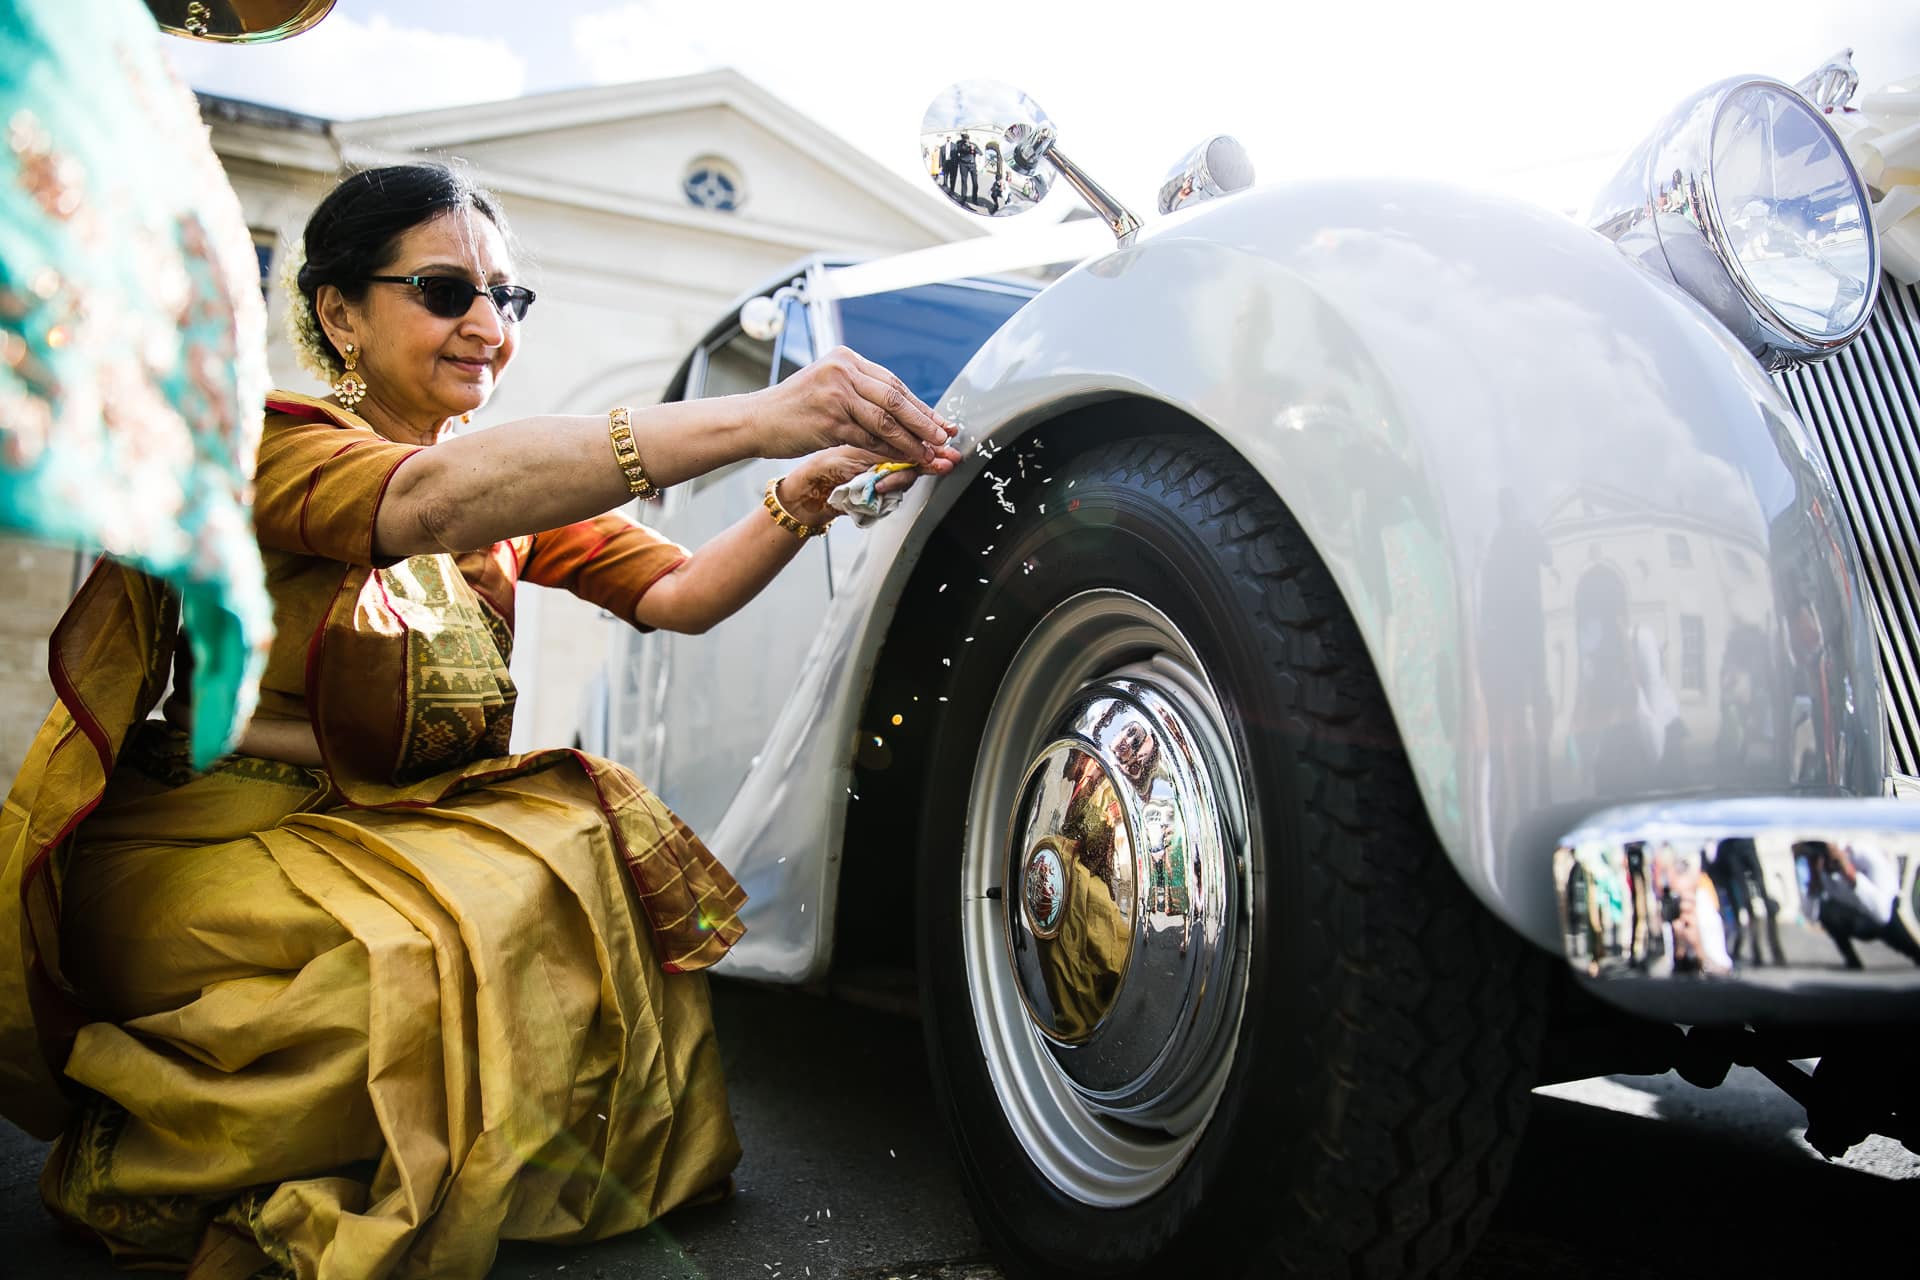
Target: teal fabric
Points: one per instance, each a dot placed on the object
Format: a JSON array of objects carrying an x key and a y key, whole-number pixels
[{"x": 132, "y": 332}]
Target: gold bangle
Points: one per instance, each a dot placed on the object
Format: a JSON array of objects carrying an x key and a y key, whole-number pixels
[
  {"x": 785, "y": 518},
  {"x": 627, "y": 454}
]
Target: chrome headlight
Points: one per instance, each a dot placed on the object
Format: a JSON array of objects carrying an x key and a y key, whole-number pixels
[{"x": 1745, "y": 198}]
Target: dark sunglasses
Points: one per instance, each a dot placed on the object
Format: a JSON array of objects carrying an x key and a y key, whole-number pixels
[{"x": 450, "y": 297}]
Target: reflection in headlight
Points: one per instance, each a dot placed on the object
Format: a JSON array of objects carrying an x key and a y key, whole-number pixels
[{"x": 1790, "y": 211}]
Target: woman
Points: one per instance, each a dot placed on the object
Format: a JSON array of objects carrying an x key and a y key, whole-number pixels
[{"x": 371, "y": 994}]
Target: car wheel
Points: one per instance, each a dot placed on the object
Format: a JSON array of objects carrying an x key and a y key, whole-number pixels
[{"x": 1200, "y": 989}]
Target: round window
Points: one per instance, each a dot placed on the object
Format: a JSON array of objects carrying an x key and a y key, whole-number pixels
[{"x": 713, "y": 183}]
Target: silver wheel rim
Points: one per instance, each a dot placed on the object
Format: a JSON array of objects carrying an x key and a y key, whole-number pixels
[{"x": 1101, "y": 1146}]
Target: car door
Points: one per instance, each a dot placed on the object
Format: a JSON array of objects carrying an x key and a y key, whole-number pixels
[{"x": 689, "y": 713}]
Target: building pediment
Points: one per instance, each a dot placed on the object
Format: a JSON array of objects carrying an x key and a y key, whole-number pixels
[
  {"x": 755, "y": 165},
  {"x": 1595, "y": 502}
]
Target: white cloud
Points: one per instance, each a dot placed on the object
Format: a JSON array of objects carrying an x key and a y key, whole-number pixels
[
  {"x": 645, "y": 40},
  {"x": 344, "y": 69}
]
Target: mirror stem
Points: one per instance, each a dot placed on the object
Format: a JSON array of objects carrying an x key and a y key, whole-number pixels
[
  {"x": 779, "y": 336},
  {"x": 1119, "y": 219}
]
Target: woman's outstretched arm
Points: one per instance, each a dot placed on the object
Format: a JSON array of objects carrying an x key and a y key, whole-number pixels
[{"x": 541, "y": 473}]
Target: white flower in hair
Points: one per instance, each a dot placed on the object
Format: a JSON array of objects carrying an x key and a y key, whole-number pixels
[{"x": 303, "y": 326}]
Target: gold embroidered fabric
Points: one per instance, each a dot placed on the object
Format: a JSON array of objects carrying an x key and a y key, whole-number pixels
[{"x": 367, "y": 1019}]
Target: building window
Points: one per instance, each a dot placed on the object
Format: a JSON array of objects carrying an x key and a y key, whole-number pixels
[
  {"x": 263, "y": 242},
  {"x": 1693, "y": 653},
  {"x": 713, "y": 183},
  {"x": 1678, "y": 549}
]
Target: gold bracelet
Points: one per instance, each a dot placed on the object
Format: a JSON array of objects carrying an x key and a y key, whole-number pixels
[
  {"x": 785, "y": 518},
  {"x": 627, "y": 454}
]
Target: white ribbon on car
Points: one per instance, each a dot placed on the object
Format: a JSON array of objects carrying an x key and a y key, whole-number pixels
[
  {"x": 1882, "y": 137},
  {"x": 1013, "y": 250}
]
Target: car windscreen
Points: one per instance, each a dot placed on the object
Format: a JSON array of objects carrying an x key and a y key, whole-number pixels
[{"x": 926, "y": 334}]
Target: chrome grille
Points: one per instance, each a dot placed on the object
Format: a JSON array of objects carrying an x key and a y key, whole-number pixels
[{"x": 1863, "y": 406}]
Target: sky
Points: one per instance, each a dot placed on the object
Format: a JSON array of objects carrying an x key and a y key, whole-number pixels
[{"x": 1540, "y": 98}]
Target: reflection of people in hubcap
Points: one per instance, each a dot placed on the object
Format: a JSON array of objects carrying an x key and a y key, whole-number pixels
[
  {"x": 1137, "y": 751},
  {"x": 1167, "y": 891},
  {"x": 1093, "y": 821},
  {"x": 1158, "y": 835},
  {"x": 1086, "y": 956}
]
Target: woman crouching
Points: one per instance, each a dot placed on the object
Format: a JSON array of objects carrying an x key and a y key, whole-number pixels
[{"x": 372, "y": 994}]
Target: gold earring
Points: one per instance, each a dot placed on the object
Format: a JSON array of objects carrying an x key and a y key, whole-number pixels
[{"x": 350, "y": 388}]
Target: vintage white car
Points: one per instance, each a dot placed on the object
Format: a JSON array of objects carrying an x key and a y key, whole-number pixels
[{"x": 1356, "y": 594}]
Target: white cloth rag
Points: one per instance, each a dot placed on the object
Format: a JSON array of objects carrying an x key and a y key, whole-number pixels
[{"x": 860, "y": 498}]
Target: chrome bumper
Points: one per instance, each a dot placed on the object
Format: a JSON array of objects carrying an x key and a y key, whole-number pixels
[{"x": 1732, "y": 911}]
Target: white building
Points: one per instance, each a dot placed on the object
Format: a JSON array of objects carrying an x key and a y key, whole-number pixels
[{"x": 642, "y": 209}]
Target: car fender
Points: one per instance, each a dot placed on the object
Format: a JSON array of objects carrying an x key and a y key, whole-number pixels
[{"x": 1439, "y": 384}]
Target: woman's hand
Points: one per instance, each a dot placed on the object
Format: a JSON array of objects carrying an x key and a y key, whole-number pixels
[
  {"x": 733, "y": 567},
  {"x": 803, "y": 491},
  {"x": 845, "y": 399}
]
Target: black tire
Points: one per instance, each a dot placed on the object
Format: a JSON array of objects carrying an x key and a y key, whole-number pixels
[{"x": 1391, "y": 1026}]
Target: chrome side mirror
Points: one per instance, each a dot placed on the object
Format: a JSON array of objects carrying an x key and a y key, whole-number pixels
[
  {"x": 991, "y": 150},
  {"x": 1217, "y": 167},
  {"x": 238, "y": 21},
  {"x": 984, "y": 143},
  {"x": 762, "y": 318}
]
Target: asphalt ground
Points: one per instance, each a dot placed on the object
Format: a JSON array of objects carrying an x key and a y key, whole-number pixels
[{"x": 847, "y": 1175}]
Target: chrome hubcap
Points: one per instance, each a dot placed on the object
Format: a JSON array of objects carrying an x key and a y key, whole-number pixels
[{"x": 1108, "y": 975}]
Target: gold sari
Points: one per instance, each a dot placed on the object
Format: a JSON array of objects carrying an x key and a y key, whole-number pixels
[{"x": 370, "y": 1019}]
